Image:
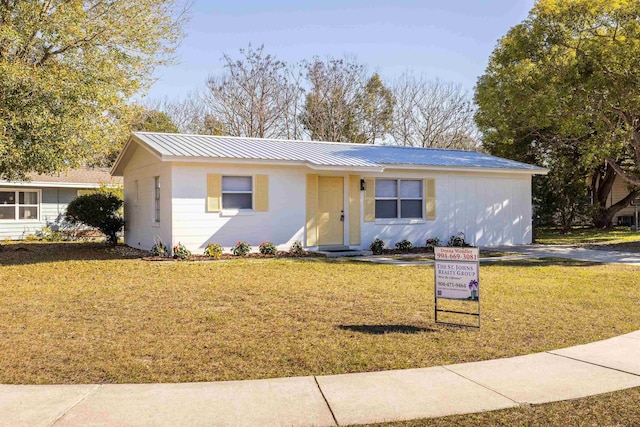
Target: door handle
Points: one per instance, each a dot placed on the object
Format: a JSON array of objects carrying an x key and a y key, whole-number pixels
[{"x": 342, "y": 215}]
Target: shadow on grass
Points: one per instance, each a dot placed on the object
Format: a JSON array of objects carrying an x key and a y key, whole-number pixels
[{"x": 385, "y": 329}]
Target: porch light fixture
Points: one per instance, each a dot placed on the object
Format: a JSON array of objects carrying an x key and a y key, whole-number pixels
[{"x": 363, "y": 185}]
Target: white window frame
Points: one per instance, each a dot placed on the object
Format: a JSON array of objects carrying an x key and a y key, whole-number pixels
[
  {"x": 156, "y": 199},
  {"x": 17, "y": 205},
  {"x": 236, "y": 211},
  {"x": 399, "y": 200}
]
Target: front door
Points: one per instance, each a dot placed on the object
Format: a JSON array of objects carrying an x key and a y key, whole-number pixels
[{"x": 330, "y": 210}]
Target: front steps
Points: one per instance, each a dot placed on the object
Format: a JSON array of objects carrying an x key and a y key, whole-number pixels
[{"x": 340, "y": 251}]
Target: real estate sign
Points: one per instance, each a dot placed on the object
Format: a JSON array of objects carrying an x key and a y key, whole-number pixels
[{"x": 457, "y": 273}]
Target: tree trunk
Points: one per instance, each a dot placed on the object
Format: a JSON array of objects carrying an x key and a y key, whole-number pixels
[
  {"x": 602, "y": 184},
  {"x": 605, "y": 216}
]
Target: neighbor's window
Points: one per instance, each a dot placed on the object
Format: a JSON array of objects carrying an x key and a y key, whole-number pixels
[
  {"x": 20, "y": 205},
  {"x": 237, "y": 192},
  {"x": 156, "y": 186},
  {"x": 399, "y": 198}
]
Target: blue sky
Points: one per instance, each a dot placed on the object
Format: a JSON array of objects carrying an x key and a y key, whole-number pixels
[{"x": 447, "y": 39}]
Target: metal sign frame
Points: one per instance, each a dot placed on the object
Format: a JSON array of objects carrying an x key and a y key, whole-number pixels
[{"x": 435, "y": 293}]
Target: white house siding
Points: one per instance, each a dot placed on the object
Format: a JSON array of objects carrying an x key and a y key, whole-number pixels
[
  {"x": 141, "y": 231},
  {"x": 53, "y": 204},
  {"x": 490, "y": 209},
  {"x": 282, "y": 224}
]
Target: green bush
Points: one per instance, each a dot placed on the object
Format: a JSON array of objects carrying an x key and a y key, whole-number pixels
[
  {"x": 267, "y": 248},
  {"x": 98, "y": 211},
  {"x": 179, "y": 251},
  {"x": 213, "y": 250},
  {"x": 377, "y": 246},
  {"x": 404, "y": 245},
  {"x": 432, "y": 242},
  {"x": 458, "y": 241},
  {"x": 296, "y": 248},
  {"x": 159, "y": 249},
  {"x": 241, "y": 249}
]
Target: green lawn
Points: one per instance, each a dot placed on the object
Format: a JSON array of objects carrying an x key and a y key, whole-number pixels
[
  {"x": 583, "y": 235},
  {"x": 77, "y": 313}
]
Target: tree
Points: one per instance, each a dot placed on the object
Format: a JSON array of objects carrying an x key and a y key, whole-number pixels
[
  {"x": 331, "y": 110},
  {"x": 376, "y": 110},
  {"x": 153, "y": 121},
  {"x": 432, "y": 114},
  {"x": 98, "y": 210},
  {"x": 254, "y": 97},
  {"x": 67, "y": 71},
  {"x": 567, "y": 75}
]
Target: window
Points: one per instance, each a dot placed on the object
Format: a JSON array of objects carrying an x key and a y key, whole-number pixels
[
  {"x": 19, "y": 205},
  {"x": 237, "y": 192},
  {"x": 156, "y": 186},
  {"x": 399, "y": 198}
]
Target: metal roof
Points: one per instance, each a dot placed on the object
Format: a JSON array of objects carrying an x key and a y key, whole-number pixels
[{"x": 320, "y": 154}]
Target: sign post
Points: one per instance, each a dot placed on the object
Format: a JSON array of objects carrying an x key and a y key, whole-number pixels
[{"x": 457, "y": 277}]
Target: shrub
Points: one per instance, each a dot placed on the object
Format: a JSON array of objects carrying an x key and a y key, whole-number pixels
[
  {"x": 377, "y": 246},
  {"x": 296, "y": 248},
  {"x": 213, "y": 250},
  {"x": 180, "y": 252},
  {"x": 99, "y": 211},
  {"x": 159, "y": 249},
  {"x": 458, "y": 241},
  {"x": 432, "y": 243},
  {"x": 241, "y": 249},
  {"x": 267, "y": 248},
  {"x": 404, "y": 245}
]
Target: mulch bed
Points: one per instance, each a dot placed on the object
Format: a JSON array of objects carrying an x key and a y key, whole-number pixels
[{"x": 194, "y": 257}]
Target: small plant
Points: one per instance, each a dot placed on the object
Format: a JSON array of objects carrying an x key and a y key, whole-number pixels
[
  {"x": 432, "y": 242},
  {"x": 159, "y": 249},
  {"x": 241, "y": 249},
  {"x": 404, "y": 245},
  {"x": 296, "y": 248},
  {"x": 458, "y": 241},
  {"x": 213, "y": 250},
  {"x": 267, "y": 248},
  {"x": 180, "y": 252},
  {"x": 377, "y": 246}
]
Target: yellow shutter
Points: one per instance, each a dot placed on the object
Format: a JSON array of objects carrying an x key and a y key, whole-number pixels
[
  {"x": 262, "y": 193},
  {"x": 214, "y": 192},
  {"x": 430, "y": 198},
  {"x": 370, "y": 200},
  {"x": 312, "y": 210},
  {"x": 354, "y": 209}
]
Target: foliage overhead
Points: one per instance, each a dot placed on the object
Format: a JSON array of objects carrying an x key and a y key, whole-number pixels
[
  {"x": 568, "y": 74},
  {"x": 67, "y": 72}
]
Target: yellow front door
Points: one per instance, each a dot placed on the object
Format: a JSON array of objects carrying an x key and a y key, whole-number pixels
[{"x": 330, "y": 210}]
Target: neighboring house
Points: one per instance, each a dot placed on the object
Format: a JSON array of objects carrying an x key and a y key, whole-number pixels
[
  {"x": 207, "y": 189},
  {"x": 619, "y": 191},
  {"x": 28, "y": 206}
]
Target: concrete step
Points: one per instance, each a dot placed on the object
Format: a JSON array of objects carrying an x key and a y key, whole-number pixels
[{"x": 335, "y": 253}]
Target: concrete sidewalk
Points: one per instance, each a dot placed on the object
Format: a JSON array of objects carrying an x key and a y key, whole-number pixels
[
  {"x": 570, "y": 373},
  {"x": 530, "y": 251}
]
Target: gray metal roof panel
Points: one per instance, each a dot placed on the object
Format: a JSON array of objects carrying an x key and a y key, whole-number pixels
[{"x": 320, "y": 153}]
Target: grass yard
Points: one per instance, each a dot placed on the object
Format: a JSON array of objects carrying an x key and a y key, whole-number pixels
[
  {"x": 612, "y": 409},
  {"x": 78, "y": 313},
  {"x": 583, "y": 235}
]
